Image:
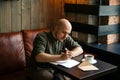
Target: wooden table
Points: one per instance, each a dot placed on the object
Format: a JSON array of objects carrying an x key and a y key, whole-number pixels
[{"x": 77, "y": 74}]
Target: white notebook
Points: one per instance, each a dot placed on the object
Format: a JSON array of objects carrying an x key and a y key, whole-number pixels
[{"x": 69, "y": 63}]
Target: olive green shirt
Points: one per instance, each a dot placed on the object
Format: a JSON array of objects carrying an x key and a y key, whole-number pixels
[{"x": 45, "y": 42}]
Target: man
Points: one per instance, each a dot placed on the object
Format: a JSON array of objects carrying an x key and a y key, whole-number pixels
[{"x": 52, "y": 46}]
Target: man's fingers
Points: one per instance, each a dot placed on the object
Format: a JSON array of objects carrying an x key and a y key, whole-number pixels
[{"x": 66, "y": 50}]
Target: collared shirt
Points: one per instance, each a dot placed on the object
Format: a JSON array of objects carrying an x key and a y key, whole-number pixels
[{"x": 45, "y": 42}]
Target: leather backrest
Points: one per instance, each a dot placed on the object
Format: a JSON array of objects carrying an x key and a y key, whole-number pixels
[
  {"x": 12, "y": 54},
  {"x": 29, "y": 36}
]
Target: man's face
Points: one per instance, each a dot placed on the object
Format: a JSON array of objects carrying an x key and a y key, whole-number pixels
[{"x": 62, "y": 33}]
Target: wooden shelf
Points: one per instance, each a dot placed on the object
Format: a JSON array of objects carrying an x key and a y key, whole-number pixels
[
  {"x": 108, "y": 29},
  {"x": 96, "y": 30},
  {"x": 98, "y": 10},
  {"x": 85, "y": 28}
]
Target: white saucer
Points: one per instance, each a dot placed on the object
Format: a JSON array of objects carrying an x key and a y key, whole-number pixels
[{"x": 92, "y": 62}]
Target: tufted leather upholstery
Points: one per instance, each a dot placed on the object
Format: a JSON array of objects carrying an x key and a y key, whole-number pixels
[{"x": 15, "y": 50}]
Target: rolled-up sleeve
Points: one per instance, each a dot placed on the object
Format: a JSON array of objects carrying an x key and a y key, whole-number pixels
[
  {"x": 70, "y": 43},
  {"x": 39, "y": 44}
]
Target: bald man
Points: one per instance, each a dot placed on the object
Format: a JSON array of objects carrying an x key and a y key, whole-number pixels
[{"x": 52, "y": 46}]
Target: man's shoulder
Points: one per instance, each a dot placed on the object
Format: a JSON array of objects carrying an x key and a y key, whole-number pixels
[
  {"x": 43, "y": 34},
  {"x": 69, "y": 38}
]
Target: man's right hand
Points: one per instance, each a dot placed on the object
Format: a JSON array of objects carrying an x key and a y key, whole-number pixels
[{"x": 66, "y": 54}]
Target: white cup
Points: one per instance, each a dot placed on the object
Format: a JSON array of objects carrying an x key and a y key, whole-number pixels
[{"x": 89, "y": 57}]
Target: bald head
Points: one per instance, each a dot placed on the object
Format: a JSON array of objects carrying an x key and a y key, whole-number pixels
[
  {"x": 62, "y": 29},
  {"x": 63, "y": 23}
]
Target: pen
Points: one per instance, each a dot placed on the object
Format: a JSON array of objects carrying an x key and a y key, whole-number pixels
[{"x": 65, "y": 50}]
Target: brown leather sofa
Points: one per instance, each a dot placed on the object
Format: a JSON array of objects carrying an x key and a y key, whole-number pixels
[{"x": 15, "y": 50}]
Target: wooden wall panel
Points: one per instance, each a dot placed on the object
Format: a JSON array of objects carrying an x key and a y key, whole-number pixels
[
  {"x": 35, "y": 5},
  {"x": 26, "y": 14},
  {"x": 55, "y": 10},
  {"x": 5, "y": 16},
  {"x": 51, "y": 13},
  {"x": 58, "y": 9},
  {"x": 16, "y": 16},
  {"x": 29, "y": 14},
  {"x": 43, "y": 13},
  {"x": 70, "y": 1}
]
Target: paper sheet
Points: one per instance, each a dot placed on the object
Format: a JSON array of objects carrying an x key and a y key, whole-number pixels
[
  {"x": 69, "y": 63},
  {"x": 86, "y": 66}
]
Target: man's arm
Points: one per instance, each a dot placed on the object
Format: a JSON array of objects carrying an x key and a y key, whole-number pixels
[
  {"x": 77, "y": 51},
  {"x": 44, "y": 57}
]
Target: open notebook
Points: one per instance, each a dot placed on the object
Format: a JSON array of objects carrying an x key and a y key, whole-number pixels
[{"x": 69, "y": 63}]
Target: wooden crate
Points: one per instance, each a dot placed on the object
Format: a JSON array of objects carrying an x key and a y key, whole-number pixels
[
  {"x": 108, "y": 39},
  {"x": 71, "y": 16},
  {"x": 114, "y": 2},
  {"x": 84, "y": 37},
  {"x": 82, "y": 18}
]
